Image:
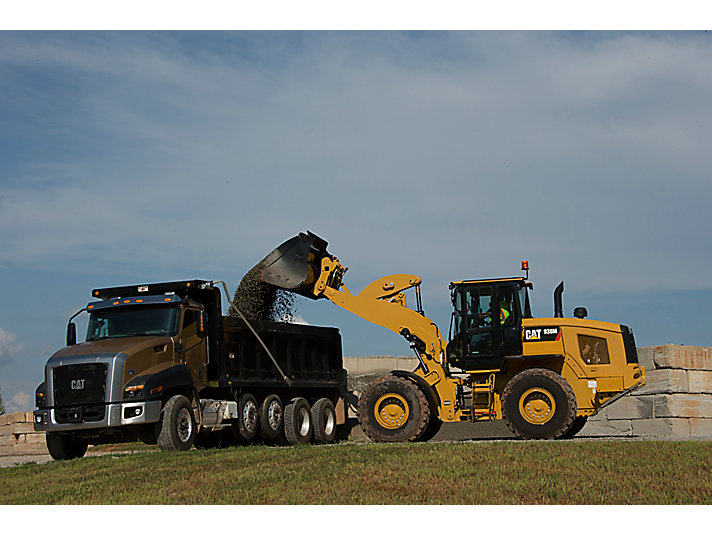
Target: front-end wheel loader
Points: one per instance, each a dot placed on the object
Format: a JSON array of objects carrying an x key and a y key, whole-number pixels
[{"x": 543, "y": 376}]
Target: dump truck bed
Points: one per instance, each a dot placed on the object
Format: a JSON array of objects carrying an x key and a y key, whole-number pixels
[{"x": 310, "y": 356}]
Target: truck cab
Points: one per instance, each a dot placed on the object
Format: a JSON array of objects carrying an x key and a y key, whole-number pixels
[{"x": 141, "y": 342}]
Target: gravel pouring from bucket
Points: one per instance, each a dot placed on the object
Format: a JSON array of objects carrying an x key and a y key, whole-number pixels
[{"x": 295, "y": 264}]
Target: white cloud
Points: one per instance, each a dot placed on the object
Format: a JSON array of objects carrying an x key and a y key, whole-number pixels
[
  {"x": 8, "y": 347},
  {"x": 447, "y": 155},
  {"x": 20, "y": 402}
]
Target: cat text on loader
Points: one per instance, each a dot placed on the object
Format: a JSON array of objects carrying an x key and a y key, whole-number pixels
[{"x": 544, "y": 377}]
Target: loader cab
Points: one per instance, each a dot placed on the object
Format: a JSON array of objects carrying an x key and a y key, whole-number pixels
[{"x": 486, "y": 322}]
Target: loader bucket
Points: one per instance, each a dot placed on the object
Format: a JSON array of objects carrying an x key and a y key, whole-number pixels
[{"x": 295, "y": 264}]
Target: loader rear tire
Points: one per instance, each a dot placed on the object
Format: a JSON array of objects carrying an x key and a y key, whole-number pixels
[
  {"x": 578, "y": 425},
  {"x": 393, "y": 409},
  {"x": 539, "y": 404}
]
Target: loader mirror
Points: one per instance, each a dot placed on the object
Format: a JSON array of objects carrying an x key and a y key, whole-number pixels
[{"x": 71, "y": 334}]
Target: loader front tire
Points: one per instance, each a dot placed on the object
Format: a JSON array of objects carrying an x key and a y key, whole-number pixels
[
  {"x": 539, "y": 404},
  {"x": 393, "y": 409}
]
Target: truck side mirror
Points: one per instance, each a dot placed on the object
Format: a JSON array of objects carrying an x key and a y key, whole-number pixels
[
  {"x": 71, "y": 334},
  {"x": 202, "y": 324}
]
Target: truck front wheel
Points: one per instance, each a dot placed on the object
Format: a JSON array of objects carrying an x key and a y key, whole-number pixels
[
  {"x": 65, "y": 446},
  {"x": 177, "y": 425},
  {"x": 538, "y": 404},
  {"x": 393, "y": 409}
]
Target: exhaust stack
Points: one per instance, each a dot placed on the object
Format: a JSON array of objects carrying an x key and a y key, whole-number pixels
[{"x": 558, "y": 305}]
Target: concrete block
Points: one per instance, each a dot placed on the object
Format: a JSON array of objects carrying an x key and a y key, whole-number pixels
[
  {"x": 665, "y": 427},
  {"x": 23, "y": 428},
  {"x": 700, "y": 428},
  {"x": 683, "y": 357},
  {"x": 38, "y": 438},
  {"x": 11, "y": 418},
  {"x": 630, "y": 408},
  {"x": 6, "y": 430},
  {"x": 605, "y": 427},
  {"x": 683, "y": 406},
  {"x": 8, "y": 450},
  {"x": 367, "y": 365},
  {"x": 660, "y": 381},
  {"x": 700, "y": 381},
  {"x": 21, "y": 440},
  {"x": 8, "y": 440},
  {"x": 645, "y": 357}
]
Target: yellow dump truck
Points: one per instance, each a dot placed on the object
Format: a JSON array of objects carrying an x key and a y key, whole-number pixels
[{"x": 543, "y": 376}]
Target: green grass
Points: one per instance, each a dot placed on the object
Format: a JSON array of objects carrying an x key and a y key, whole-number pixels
[{"x": 514, "y": 472}]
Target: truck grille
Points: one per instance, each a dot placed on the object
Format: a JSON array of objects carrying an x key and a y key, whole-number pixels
[{"x": 81, "y": 384}]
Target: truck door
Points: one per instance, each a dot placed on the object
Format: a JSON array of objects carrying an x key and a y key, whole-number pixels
[{"x": 193, "y": 349}]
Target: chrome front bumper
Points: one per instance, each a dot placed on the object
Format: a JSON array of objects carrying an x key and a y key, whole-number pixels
[{"x": 116, "y": 415}]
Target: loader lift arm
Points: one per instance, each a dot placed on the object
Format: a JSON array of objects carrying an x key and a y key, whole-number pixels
[{"x": 302, "y": 265}]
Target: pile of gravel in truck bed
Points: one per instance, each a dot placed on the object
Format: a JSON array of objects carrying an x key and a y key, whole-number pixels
[{"x": 260, "y": 301}]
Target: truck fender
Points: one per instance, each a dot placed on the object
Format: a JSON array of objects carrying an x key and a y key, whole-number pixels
[
  {"x": 430, "y": 394},
  {"x": 177, "y": 377}
]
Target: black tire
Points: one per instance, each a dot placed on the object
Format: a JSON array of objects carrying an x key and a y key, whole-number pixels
[
  {"x": 323, "y": 421},
  {"x": 65, "y": 446},
  {"x": 213, "y": 439},
  {"x": 393, "y": 409},
  {"x": 578, "y": 425},
  {"x": 178, "y": 428},
  {"x": 432, "y": 429},
  {"x": 538, "y": 404},
  {"x": 248, "y": 422},
  {"x": 271, "y": 416},
  {"x": 297, "y": 422}
]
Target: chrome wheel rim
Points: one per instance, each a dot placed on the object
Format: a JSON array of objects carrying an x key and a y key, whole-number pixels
[
  {"x": 184, "y": 425},
  {"x": 274, "y": 415},
  {"x": 249, "y": 416}
]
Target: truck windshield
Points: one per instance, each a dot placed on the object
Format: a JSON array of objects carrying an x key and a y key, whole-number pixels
[{"x": 132, "y": 321}]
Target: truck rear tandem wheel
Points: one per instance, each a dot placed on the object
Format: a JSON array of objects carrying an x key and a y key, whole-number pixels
[
  {"x": 539, "y": 404},
  {"x": 323, "y": 421},
  {"x": 297, "y": 422},
  {"x": 393, "y": 409}
]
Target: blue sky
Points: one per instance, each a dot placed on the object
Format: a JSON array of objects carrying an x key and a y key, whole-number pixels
[{"x": 135, "y": 157}]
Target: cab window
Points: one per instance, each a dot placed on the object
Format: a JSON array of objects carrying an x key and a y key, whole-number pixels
[{"x": 594, "y": 350}]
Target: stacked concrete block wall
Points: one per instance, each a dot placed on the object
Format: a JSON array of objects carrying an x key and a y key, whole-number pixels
[
  {"x": 18, "y": 436},
  {"x": 675, "y": 403}
]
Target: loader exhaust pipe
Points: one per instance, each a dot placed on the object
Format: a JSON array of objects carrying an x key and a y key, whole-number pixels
[
  {"x": 558, "y": 305},
  {"x": 295, "y": 265}
]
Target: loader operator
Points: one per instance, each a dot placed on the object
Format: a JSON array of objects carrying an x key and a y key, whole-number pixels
[{"x": 503, "y": 312}]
